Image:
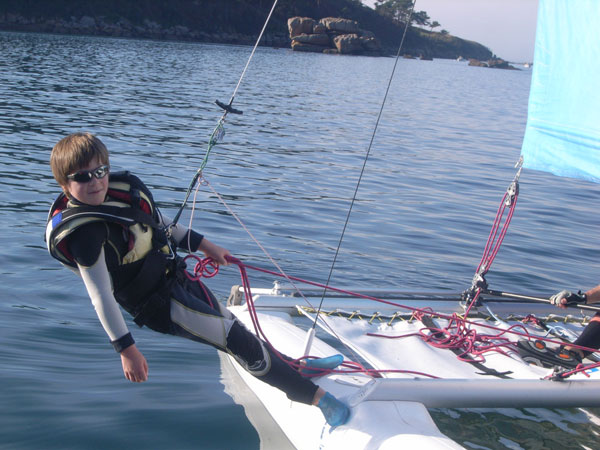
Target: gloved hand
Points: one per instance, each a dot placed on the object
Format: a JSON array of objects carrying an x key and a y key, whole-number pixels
[{"x": 571, "y": 299}]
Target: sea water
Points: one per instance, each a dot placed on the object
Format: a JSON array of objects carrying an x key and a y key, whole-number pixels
[{"x": 439, "y": 163}]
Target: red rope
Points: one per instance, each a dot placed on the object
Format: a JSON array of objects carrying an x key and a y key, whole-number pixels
[
  {"x": 495, "y": 238},
  {"x": 497, "y": 234},
  {"x": 456, "y": 335},
  {"x": 349, "y": 366},
  {"x": 581, "y": 368},
  {"x": 424, "y": 311},
  {"x": 204, "y": 268}
]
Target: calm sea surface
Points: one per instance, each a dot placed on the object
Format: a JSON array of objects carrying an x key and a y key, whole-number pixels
[{"x": 440, "y": 163}]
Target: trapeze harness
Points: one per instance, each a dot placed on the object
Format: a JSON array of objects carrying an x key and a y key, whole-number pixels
[{"x": 143, "y": 277}]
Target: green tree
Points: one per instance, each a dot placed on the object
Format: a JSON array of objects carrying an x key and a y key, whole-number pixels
[
  {"x": 400, "y": 10},
  {"x": 434, "y": 24},
  {"x": 420, "y": 18}
]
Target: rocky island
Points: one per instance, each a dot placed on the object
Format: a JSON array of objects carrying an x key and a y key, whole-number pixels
[
  {"x": 334, "y": 28},
  {"x": 332, "y": 35}
]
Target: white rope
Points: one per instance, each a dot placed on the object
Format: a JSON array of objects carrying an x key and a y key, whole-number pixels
[
  {"x": 205, "y": 182},
  {"x": 326, "y": 325}
]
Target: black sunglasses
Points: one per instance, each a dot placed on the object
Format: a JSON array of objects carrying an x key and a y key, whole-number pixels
[{"x": 85, "y": 176}]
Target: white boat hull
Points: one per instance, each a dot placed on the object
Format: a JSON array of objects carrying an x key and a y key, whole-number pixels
[
  {"x": 374, "y": 424},
  {"x": 391, "y": 412}
]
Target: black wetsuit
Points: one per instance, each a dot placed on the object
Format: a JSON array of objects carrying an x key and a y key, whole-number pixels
[{"x": 177, "y": 305}]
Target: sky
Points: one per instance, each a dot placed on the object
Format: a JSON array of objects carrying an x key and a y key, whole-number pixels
[{"x": 506, "y": 27}]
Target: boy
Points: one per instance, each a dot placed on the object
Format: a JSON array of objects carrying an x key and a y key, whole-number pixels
[{"x": 108, "y": 229}]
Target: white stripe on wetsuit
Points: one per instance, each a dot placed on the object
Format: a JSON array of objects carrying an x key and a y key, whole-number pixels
[
  {"x": 211, "y": 328},
  {"x": 99, "y": 287}
]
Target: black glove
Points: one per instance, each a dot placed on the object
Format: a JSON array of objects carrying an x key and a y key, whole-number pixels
[{"x": 572, "y": 299}]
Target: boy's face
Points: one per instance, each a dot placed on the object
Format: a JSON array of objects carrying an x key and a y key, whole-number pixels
[{"x": 92, "y": 192}]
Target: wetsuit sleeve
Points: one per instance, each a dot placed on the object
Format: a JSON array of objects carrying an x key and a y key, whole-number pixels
[
  {"x": 86, "y": 242},
  {"x": 186, "y": 239},
  {"x": 97, "y": 282}
]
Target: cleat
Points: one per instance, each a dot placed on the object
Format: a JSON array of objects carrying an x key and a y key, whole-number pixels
[{"x": 537, "y": 353}]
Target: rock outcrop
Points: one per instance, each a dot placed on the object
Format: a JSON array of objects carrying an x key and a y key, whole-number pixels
[
  {"x": 494, "y": 63},
  {"x": 332, "y": 35}
]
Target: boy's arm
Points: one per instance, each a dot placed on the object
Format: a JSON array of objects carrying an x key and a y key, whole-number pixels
[
  {"x": 186, "y": 239},
  {"x": 593, "y": 295},
  {"x": 97, "y": 282},
  {"x": 192, "y": 241}
]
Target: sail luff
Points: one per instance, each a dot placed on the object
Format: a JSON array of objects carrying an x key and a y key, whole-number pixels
[{"x": 563, "y": 123}]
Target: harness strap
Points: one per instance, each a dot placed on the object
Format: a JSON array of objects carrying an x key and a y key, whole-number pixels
[
  {"x": 126, "y": 216},
  {"x": 149, "y": 291}
]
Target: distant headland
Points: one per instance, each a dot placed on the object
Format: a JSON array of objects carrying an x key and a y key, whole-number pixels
[{"x": 230, "y": 22}]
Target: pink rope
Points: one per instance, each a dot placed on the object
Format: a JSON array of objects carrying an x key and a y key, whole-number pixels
[
  {"x": 581, "y": 368},
  {"x": 349, "y": 366},
  {"x": 497, "y": 234},
  {"x": 456, "y": 335},
  {"x": 495, "y": 239},
  {"x": 423, "y": 311},
  {"x": 206, "y": 268}
]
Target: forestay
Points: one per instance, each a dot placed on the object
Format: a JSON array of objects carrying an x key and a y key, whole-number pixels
[{"x": 563, "y": 124}]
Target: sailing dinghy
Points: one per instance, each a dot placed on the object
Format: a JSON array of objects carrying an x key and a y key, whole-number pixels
[{"x": 406, "y": 352}]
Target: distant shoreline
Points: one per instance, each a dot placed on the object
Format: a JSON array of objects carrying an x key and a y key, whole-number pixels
[
  {"x": 240, "y": 30},
  {"x": 84, "y": 27}
]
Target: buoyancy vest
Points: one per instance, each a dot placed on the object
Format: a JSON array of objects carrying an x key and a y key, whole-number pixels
[{"x": 128, "y": 203}]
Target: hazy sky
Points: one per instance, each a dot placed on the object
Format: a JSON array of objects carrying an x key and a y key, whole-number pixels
[{"x": 506, "y": 27}]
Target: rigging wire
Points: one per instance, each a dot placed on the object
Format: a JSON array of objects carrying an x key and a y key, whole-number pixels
[
  {"x": 289, "y": 279},
  {"x": 489, "y": 254},
  {"x": 219, "y": 131},
  {"x": 379, "y": 115},
  {"x": 253, "y": 51},
  {"x": 215, "y": 138}
]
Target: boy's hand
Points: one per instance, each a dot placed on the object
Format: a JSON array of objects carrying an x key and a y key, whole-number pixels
[
  {"x": 567, "y": 298},
  {"x": 214, "y": 251},
  {"x": 135, "y": 367}
]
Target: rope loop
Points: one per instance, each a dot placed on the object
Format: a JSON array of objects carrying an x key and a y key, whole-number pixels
[{"x": 204, "y": 268}]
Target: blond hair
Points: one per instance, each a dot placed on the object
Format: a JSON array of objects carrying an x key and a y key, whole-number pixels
[{"x": 73, "y": 152}]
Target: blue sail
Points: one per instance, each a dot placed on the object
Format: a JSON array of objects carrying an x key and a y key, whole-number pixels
[{"x": 563, "y": 123}]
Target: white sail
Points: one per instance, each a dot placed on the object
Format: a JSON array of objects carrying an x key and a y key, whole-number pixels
[{"x": 563, "y": 124}]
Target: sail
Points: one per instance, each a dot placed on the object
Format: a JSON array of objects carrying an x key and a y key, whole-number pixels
[{"x": 563, "y": 123}]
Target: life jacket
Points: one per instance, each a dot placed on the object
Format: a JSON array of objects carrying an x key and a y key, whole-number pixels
[
  {"x": 128, "y": 203},
  {"x": 140, "y": 281}
]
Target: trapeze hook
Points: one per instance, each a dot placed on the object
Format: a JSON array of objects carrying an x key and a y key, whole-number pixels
[{"x": 228, "y": 108}]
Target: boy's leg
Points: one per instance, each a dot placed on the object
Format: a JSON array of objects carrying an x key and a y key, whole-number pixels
[{"x": 194, "y": 318}]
